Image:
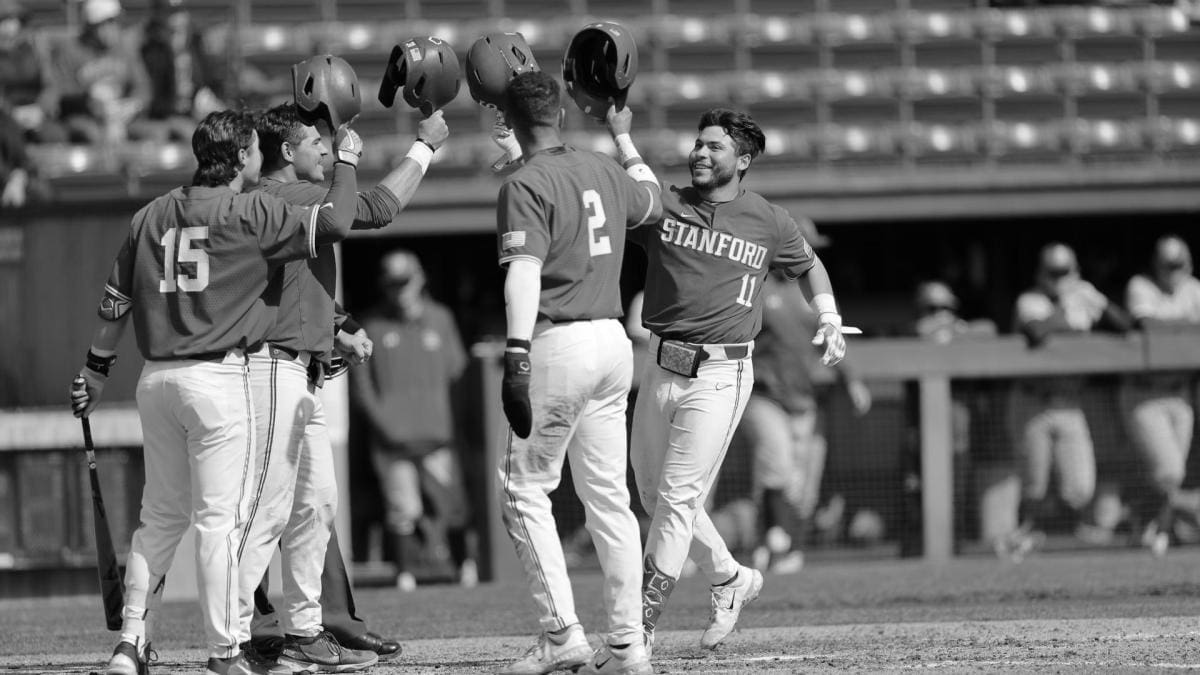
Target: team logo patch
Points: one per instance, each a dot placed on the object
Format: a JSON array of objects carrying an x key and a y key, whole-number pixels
[{"x": 511, "y": 240}]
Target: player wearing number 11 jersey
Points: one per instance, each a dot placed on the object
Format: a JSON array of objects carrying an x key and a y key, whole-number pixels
[
  {"x": 706, "y": 262},
  {"x": 197, "y": 274},
  {"x": 561, "y": 221}
]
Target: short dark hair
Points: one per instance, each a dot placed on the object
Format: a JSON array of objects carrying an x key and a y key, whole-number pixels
[
  {"x": 533, "y": 99},
  {"x": 277, "y": 126},
  {"x": 747, "y": 136},
  {"x": 216, "y": 142}
]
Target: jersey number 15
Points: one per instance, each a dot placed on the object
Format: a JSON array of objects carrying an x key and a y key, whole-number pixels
[{"x": 178, "y": 279}]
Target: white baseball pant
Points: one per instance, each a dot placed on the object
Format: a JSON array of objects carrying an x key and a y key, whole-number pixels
[
  {"x": 579, "y": 384},
  {"x": 293, "y": 498},
  {"x": 681, "y": 430},
  {"x": 198, "y": 434},
  {"x": 1159, "y": 420}
]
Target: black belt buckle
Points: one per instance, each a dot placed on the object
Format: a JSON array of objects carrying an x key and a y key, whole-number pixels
[
  {"x": 316, "y": 372},
  {"x": 680, "y": 358}
]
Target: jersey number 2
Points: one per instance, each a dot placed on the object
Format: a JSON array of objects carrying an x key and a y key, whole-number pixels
[
  {"x": 184, "y": 253},
  {"x": 598, "y": 242}
]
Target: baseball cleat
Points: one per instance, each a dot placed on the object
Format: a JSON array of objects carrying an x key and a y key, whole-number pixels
[
  {"x": 125, "y": 660},
  {"x": 240, "y": 665},
  {"x": 387, "y": 649},
  {"x": 727, "y": 603},
  {"x": 323, "y": 653},
  {"x": 631, "y": 659},
  {"x": 568, "y": 651}
]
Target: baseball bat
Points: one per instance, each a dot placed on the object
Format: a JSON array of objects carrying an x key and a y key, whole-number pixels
[{"x": 112, "y": 587}]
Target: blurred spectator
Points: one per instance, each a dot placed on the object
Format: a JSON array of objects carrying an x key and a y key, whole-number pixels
[
  {"x": 19, "y": 183},
  {"x": 1047, "y": 421},
  {"x": 103, "y": 85},
  {"x": 404, "y": 392},
  {"x": 937, "y": 320},
  {"x": 781, "y": 425},
  {"x": 184, "y": 86},
  {"x": 26, "y": 80},
  {"x": 1156, "y": 407}
]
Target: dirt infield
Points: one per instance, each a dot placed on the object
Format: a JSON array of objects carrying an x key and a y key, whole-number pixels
[{"x": 1114, "y": 612}]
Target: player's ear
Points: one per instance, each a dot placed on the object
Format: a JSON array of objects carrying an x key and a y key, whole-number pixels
[
  {"x": 243, "y": 153},
  {"x": 743, "y": 162},
  {"x": 287, "y": 151}
]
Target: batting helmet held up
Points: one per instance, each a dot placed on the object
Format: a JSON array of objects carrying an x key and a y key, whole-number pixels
[
  {"x": 600, "y": 64},
  {"x": 492, "y": 61},
  {"x": 326, "y": 88},
  {"x": 428, "y": 70}
]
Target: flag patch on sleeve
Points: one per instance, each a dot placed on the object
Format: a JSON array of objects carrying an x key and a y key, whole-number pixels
[{"x": 511, "y": 240}]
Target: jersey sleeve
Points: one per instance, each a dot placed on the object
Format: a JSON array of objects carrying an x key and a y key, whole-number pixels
[
  {"x": 522, "y": 224},
  {"x": 1140, "y": 298},
  {"x": 795, "y": 256},
  {"x": 118, "y": 289},
  {"x": 285, "y": 232}
]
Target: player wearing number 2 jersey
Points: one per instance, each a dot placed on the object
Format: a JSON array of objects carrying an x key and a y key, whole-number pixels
[
  {"x": 706, "y": 262},
  {"x": 561, "y": 221},
  {"x": 197, "y": 273}
]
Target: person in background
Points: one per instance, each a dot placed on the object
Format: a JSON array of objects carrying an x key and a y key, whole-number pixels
[
  {"x": 16, "y": 170},
  {"x": 782, "y": 427},
  {"x": 183, "y": 84},
  {"x": 405, "y": 393},
  {"x": 1156, "y": 407},
  {"x": 104, "y": 86},
  {"x": 1046, "y": 416},
  {"x": 27, "y": 88},
  {"x": 937, "y": 320}
]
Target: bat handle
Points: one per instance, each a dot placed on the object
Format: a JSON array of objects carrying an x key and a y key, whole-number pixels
[{"x": 87, "y": 441}]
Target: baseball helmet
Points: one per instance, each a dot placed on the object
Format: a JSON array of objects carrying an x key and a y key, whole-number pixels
[
  {"x": 600, "y": 64},
  {"x": 492, "y": 61},
  {"x": 428, "y": 70},
  {"x": 326, "y": 88}
]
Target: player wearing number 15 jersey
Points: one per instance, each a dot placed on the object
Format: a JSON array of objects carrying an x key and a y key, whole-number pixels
[
  {"x": 561, "y": 221},
  {"x": 198, "y": 275},
  {"x": 706, "y": 262}
]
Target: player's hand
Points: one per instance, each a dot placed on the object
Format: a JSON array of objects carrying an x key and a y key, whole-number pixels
[
  {"x": 347, "y": 146},
  {"x": 505, "y": 139},
  {"x": 860, "y": 397},
  {"x": 829, "y": 334},
  {"x": 514, "y": 392},
  {"x": 433, "y": 130},
  {"x": 354, "y": 347},
  {"x": 618, "y": 121},
  {"x": 85, "y": 392}
]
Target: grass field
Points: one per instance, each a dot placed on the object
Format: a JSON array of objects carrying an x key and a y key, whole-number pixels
[{"x": 1112, "y": 612}]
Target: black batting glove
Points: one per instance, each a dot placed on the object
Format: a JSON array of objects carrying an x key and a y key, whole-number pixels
[{"x": 514, "y": 391}]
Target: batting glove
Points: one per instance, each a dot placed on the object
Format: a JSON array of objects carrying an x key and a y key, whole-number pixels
[
  {"x": 504, "y": 138},
  {"x": 514, "y": 392},
  {"x": 829, "y": 334},
  {"x": 347, "y": 146},
  {"x": 85, "y": 392}
]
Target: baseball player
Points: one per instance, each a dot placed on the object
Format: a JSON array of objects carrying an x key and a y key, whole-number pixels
[
  {"x": 561, "y": 221},
  {"x": 707, "y": 259},
  {"x": 1045, "y": 414},
  {"x": 194, "y": 273},
  {"x": 1156, "y": 406},
  {"x": 297, "y": 481}
]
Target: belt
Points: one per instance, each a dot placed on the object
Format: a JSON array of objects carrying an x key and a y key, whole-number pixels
[
  {"x": 215, "y": 357},
  {"x": 719, "y": 352},
  {"x": 281, "y": 353}
]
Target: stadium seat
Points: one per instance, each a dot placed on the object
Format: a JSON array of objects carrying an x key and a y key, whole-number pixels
[
  {"x": 1076, "y": 22},
  {"x": 942, "y": 141},
  {"x": 1095, "y": 78},
  {"x": 1095, "y": 136},
  {"x": 933, "y": 26},
  {"x": 932, "y": 83},
  {"x": 997, "y": 24},
  {"x": 758, "y": 29},
  {"x": 1172, "y": 76},
  {"x": 1006, "y": 138},
  {"x": 841, "y": 85},
  {"x": 840, "y": 29},
  {"x": 1176, "y": 134},
  {"x": 1005, "y": 81},
  {"x": 859, "y": 142},
  {"x": 1157, "y": 20}
]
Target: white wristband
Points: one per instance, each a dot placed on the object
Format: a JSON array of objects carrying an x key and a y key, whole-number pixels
[
  {"x": 422, "y": 154},
  {"x": 626, "y": 150},
  {"x": 824, "y": 302},
  {"x": 641, "y": 172},
  {"x": 831, "y": 318}
]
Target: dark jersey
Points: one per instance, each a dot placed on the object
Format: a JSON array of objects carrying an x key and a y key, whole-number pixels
[
  {"x": 200, "y": 268},
  {"x": 306, "y": 307},
  {"x": 568, "y": 210},
  {"x": 706, "y": 264}
]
